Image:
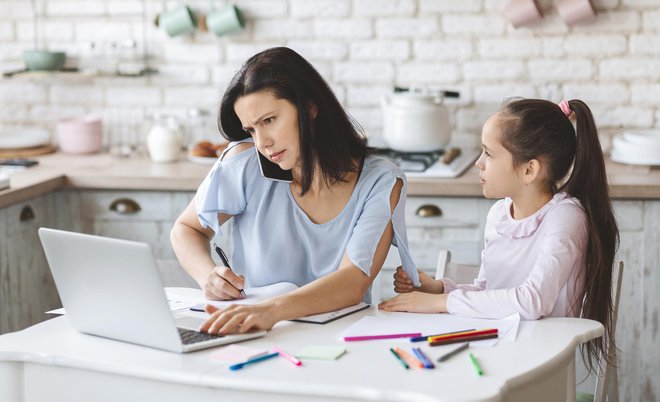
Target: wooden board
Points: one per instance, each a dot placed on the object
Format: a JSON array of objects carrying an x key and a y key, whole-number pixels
[{"x": 23, "y": 152}]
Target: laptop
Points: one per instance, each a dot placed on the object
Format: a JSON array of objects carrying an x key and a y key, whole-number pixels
[{"x": 112, "y": 288}]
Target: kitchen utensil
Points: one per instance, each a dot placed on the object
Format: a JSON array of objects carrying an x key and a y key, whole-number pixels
[
  {"x": 25, "y": 137},
  {"x": 575, "y": 11},
  {"x": 636, "y": 149},
  {"x": 415, "y": 120},
  {"x": 43, "y": 60},
  {"x": 178, "y": 21},
  {"x": 25, "y": 152},
  {"x": 81, "y": 135},
  {"x": 522, "y": 12},
  {"x": 225, "y": 20},
  {"x": 165, "y": 140}
]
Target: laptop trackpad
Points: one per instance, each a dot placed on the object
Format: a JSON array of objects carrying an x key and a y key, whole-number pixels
[{"x": 188, "y": 322}]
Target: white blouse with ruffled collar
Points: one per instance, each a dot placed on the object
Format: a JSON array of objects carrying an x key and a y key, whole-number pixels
[{"x": 530, "y": 266}]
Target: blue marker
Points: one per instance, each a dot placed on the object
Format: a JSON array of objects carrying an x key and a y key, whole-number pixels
[
  {"x": 239, "y": 366},
  {"x": 422, "y": 357}
]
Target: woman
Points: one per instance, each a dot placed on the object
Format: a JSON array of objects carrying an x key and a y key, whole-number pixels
[{"x": 328, "y": 230}]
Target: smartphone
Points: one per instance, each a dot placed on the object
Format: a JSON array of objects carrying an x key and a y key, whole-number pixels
[
  {"x": 271, "y": 171},
  {"x": 18, "y": 162}
]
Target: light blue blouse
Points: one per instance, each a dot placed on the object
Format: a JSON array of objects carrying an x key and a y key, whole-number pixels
[{"x": 275, "y": 241}]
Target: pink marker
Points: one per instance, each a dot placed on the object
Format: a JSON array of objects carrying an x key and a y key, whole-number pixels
[
  {"x": 287, "y": 356},
  {"x": 375, "y": 337}
]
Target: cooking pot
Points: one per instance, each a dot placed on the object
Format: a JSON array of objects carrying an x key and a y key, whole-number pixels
[{"x": 415, "y": 120}]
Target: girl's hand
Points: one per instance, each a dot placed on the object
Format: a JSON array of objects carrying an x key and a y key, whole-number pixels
[
  {"x": 238, "y": 318},
  {"x": 403, "y": 284},
  {"x": 416, "y": 302}
]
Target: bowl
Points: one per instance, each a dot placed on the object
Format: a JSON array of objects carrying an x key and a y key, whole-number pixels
[
  {"x": 43, "y": 60},
  {"x": 80, "y": 135}
]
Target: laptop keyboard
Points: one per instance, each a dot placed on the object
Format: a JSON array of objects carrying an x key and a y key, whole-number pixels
[{"x": 189, "y": 337}]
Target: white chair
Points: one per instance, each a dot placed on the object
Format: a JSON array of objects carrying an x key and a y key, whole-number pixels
[
  {"x": 607, "y": 376},
  {"x": 459, "y": 273}
]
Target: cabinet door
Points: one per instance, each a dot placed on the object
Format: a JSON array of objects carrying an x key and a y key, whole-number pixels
[
  {"x": 145, "y": 216},
  {"x": 27, "y": 289}
]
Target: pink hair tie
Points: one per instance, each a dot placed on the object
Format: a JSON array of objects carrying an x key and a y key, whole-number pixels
[{"x": 565, "y": 107}]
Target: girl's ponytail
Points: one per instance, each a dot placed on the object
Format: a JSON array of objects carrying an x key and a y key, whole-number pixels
[{"x": 588, "y": 183}]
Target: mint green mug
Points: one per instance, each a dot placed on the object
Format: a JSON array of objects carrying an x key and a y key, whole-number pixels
[
  {"x": 225, "y": 20},
  {"x": 178, "y": 21}
]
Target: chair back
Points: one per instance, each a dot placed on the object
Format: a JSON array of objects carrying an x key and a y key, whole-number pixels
[
  {"x": 459, "y": 273},
  {"x": 607, "y": 378}
]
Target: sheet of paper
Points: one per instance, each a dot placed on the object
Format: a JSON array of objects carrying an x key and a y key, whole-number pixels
[
  {"x": 321, "y": 352},
  {"x": 254, "y": 295},
  {"x": 325, "y": 318},
  {"x": 236, "y": 353},
  {"x": 430, "y": 324}
]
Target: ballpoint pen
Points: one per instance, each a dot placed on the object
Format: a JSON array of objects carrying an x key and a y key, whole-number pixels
[
  {"x": 225, "y": 261},
  {"x": 238, "y": 366}
]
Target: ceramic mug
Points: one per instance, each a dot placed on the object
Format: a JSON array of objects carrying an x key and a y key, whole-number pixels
[
  {"x": 522, "y": 12},
  {"x": 225, "y": 20},
  {"x": 178, "y": 21},
  {"x": 575, "y": 11}
]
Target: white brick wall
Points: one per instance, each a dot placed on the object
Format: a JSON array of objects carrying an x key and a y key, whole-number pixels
[{"x": 363, "y": 48}]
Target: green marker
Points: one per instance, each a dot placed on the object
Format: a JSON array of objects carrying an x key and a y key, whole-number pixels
[
  {"x": 404, "y": 364},
  {"x": 475, "y": 363}
]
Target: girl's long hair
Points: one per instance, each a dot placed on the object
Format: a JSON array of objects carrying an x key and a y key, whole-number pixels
[
  {"x": 331, "y": 140},
  {"x": 535, "y": 128}
]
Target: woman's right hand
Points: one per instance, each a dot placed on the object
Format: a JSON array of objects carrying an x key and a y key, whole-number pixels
[
  {"x": 403, "y": 284},
  {"x": 223, "y": 284}
]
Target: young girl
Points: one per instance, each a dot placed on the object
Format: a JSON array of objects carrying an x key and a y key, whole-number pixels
[{"x": 550, "y": 242}]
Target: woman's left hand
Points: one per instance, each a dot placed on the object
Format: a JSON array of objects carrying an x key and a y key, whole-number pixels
[
  {"x": 238, "y": 318},
  {"x": 416, "y": 302}
]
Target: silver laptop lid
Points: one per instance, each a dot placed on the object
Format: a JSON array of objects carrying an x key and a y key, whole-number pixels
[{"x": 111, "y": 288}]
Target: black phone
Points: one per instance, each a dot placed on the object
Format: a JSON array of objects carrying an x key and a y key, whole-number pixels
[
  {"x": 18, "y": 162},
  {"x": 271, "y": 171}
]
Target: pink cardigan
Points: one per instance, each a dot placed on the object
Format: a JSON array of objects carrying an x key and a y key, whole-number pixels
[{"x": 530, "y": 266}]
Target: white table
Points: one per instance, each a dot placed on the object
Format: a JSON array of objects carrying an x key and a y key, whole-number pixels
[{"x": 52, "y": 362}]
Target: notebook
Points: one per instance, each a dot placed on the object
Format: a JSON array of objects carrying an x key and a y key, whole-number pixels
[{"x": 101, "y": 280}]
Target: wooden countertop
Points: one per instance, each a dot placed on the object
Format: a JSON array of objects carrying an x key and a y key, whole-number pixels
[{"x": 104, "y": 172}]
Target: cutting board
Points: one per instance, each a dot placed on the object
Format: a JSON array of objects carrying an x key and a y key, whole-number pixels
[{"x": 24, "y": 152}]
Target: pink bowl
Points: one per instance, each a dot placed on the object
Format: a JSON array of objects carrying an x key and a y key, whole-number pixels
[{"x": 80, "y": 135}]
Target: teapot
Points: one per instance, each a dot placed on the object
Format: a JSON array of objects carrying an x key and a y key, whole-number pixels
[
  {"x": 165, "y": 139},
  {"x": 415, "y": 120}
]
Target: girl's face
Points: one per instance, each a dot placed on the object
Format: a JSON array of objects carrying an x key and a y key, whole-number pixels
[
  {"x": 497, "y": 175},
  {"x": 273, "y": 124}
]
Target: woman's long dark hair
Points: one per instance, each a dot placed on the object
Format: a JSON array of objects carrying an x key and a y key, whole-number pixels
[
  {"x": 539, "y": 129},
  {"x": 330, "y": 139}
]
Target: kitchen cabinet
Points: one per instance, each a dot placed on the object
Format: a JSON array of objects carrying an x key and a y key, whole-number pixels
[
  {"x": 26, "y": 285},
  {"x": 145, "y": 216}
]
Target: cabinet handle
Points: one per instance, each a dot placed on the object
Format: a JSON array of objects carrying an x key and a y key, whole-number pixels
[
  {"x": 125, "y": 206},
  {"x": 27, "y": 214},
  {"x": 428, "y": 211}
]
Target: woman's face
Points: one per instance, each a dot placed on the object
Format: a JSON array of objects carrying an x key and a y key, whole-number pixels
[
  {"x": 497, "y": 175},
  {"x": 273, "y": 124}
]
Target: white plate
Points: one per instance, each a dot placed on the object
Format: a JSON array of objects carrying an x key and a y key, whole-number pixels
[
  {"x": 202, "y": 159},
  {"x": 649, "y": 137},
  {"x": 618, "y": 157},
  {"x": 632, "y": 150},
  {"x": 11, "y": 138}
]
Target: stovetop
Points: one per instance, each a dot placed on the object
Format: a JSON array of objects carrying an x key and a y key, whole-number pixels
[{"x": 448, "y": 163}]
